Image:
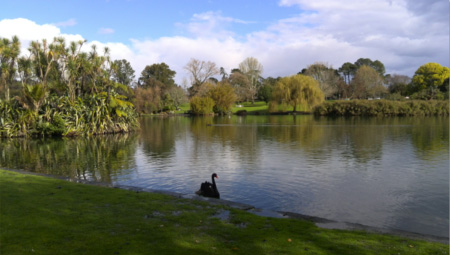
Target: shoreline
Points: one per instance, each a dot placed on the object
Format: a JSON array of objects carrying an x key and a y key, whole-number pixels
[{"x": 318, "y": 221}]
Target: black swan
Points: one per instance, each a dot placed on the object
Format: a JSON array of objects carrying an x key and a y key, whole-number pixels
[{"x": 209, "y": 190}]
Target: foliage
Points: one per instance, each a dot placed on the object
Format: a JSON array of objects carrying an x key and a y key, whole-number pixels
[
  {"x": 429, "y": 80},
  {"x": 177, "y": 97},
  {"x": 223, "y": 96},
  {"x": 252, "y": 69},
  {"x": 9, "y": 52},
  {"x": 398, "y": 84},
  {"x": 376, "y": 65},
  {"x": 122, "y": 72},
  {"x": 265, "y": 92},
  {"x": 367, "y": 83},
  {"x": 148, "y": 100},
  {"x": 201, "y": 105},
  {"x": 64, "y": 91},
  {"x": 157, "y": 75},
  {"x": 327, "y": 77},
  {"x": 383, "y": 108},
  {"x": 241, "y": 85},
  {"x": 59, "y": 116},
  {"x": 297, "y": 90},
  {"x": 348, "y": 70}
]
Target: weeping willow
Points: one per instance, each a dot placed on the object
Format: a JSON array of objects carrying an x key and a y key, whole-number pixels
[{"x": 296, "y": 91}]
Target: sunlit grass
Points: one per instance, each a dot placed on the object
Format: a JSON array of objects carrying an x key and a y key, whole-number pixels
[{"x": 40, "y": 215}]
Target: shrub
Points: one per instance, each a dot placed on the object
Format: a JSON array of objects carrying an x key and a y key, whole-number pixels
[
  {"x": 383, "y": 108},
  {"x": 241, "y": 113},
  {"x": 201, "y": 105}
]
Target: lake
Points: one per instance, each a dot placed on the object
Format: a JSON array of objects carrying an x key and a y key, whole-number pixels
[{"x": 382, "y": 172}]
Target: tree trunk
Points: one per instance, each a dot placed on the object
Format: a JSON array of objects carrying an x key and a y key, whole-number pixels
[{"x": 7, "y": 93}]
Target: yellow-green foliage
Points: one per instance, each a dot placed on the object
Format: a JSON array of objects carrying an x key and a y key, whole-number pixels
[
  {"x": 383, "y": 108},
  {"x": 223, "y": 96},
  {"x": 429, "y": 76},
  {"x": 297, "y": 90},
  {"x": 201, "y": 105}
]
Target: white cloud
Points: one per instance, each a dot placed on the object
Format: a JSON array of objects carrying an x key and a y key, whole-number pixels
[
  {"x": 28, "y": 31},
  {"x": 324, "y": 30},
  {"x": 106, "y": 31}
]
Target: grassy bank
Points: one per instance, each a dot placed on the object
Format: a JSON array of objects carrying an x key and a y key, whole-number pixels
[{"x": 42, "y": 215}]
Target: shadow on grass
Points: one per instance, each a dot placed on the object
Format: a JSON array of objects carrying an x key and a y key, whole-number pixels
[{"x": 48, "y": 216}]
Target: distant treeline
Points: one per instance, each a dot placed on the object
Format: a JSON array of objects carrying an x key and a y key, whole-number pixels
[{"x": 383, "y": 108}]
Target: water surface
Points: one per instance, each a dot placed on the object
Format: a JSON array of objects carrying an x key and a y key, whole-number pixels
[{"x": 382, "y": 172}]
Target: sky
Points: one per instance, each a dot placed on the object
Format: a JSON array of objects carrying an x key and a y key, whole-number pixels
[{"x": 284, "y": 35}]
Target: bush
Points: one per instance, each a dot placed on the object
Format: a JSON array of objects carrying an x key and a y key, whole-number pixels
[
  {"x": 383, "y": 108},
  {"x": 241, "y": 113},
  {"x": 201, "y": 105},
  {"x": 223, "y": 96}
]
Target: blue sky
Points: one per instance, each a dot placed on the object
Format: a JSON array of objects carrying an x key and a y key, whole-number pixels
[
  {"x": 140, "y": 19},
  {"x": 284, "y": 35}
]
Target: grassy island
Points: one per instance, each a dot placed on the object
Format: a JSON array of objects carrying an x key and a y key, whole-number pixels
[{"x": 40, "y": 215}]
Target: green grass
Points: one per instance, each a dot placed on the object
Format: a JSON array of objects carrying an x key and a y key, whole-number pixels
[
  {"x": 260, "y": 107},
  {"x": 183, "y": 108},
  {"x": 40, "y": 215}
]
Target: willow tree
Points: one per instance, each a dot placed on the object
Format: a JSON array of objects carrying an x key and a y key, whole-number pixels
[
  {"x": 297, "y": 90},
  {"x": 223, "y": 96}
]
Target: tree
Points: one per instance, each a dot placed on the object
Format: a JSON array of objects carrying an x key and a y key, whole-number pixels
[
  {"x": 223, "y": 73},
  {"x": 201, "y": 105},
  {"x": 223, "y": 96},
  {"x": 9, "y": 52},
  {"x": 429, "y": 79},
  {"x": 178, "y": 96},
  {"x": 251, "y": 68},
  {"x": 200, "y": 72},
  {"x": 241, "y": 85},
  {"x": 398, "y": 84},
  {"x": 347, "y": 70},
  {"x": 34, "y": 95},
  {"x": 122, "y": 72},
  {"x": 326, "y": 76},
  {"x": 158, "y": 79},
  {"x": 265, "y": 91},
  {"x": 377, "y": 65},
  {"x": 44, "y": 58},
  {"x": 367, "y": 83},
  {"x": 297, "y": 90},
  {"x": 148, "y": 100},
  {"x": 157, "y": 75}
]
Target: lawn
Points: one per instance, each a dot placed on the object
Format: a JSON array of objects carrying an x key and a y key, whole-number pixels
[{"x": 41, "y": 215}]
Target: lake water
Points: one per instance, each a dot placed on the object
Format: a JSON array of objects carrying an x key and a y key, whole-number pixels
[{"x": 382, "y": 172}]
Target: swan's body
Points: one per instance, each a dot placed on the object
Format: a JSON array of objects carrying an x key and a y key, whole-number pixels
[{"x": 208, "y": 189}]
